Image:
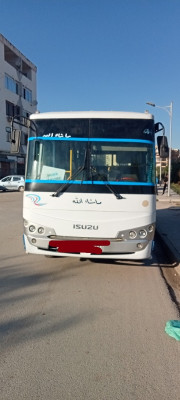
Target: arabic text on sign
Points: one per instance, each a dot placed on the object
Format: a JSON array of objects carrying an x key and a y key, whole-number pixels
[{"x": 89, "y": 201}]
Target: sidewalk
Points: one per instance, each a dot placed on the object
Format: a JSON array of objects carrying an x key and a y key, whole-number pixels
[{"x": 168, "y": 223}]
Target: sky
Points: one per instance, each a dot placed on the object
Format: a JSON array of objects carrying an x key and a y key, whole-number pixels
[{"x": 101, "y": 54}]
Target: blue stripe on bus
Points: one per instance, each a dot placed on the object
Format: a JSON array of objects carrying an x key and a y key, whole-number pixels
[
  {"x": 93, "y": 139},
  {"x": 91, "y": 182}
]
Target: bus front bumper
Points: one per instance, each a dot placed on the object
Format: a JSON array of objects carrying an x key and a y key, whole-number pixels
[{"x": 89, "y": 248}]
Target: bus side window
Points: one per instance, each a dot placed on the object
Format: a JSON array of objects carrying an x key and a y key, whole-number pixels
[
  {"x": 36, "y": 151},
  {"x": 48, "y": 154}
]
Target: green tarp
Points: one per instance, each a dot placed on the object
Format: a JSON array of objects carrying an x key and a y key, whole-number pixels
[{"x": 172, "y": 328}]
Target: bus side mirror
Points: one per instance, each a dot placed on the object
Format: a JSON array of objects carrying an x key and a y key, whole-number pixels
[
  {"x": 15, "y": 140},
  {"x": 159, "y": 127},
  {"x": 163, "y": 146}
]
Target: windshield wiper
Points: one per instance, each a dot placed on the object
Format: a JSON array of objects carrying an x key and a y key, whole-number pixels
[
  {"x": 117, "y": 195},
  {"x": 67, "y": 184},
  {"x": 62, "y": 188},
  {"x": 104, "y": 179}
]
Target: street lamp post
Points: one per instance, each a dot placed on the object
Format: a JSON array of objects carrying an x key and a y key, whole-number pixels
[
  {"x": 160, "y": 177},
  {"x": 169, "y": 110}
]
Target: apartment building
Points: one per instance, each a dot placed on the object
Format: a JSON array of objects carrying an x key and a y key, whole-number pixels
[{"x": 18, "y": 99}]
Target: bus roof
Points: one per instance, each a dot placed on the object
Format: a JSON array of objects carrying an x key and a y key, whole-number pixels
[{"x": 91, "y": 114}]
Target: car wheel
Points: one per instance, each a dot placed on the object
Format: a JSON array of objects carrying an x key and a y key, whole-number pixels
[{"x": 21, "y": 188}]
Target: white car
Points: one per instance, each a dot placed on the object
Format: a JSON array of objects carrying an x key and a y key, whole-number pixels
[{"x": 12, "y": 182}]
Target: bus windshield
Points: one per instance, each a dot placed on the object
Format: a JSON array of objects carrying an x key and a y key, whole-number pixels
[{"x": 115, "y": 161}]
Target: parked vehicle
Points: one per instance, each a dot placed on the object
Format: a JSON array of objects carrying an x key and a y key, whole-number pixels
[
  {"x": 12, "y": 182},
  {"x": 90, "y": 185}
]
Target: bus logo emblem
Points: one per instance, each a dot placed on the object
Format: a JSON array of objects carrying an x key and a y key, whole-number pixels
[
  {"x": 91, "y": 227},
  {"x": 35, "y": 198}
]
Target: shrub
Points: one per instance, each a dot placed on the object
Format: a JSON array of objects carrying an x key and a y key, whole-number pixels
[{"x": 176, "y": 187}]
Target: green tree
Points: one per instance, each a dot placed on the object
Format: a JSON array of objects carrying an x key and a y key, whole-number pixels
[{"x": 175, "y": 172}]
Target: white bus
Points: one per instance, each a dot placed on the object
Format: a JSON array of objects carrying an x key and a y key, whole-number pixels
[{"x": 90, "y": 189}]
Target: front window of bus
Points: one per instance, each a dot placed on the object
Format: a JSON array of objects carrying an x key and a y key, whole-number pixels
[
  {"x": 55, "y": 160},
  {"x": 91, "y": 160},
  {"x": 123, "y": 162}
]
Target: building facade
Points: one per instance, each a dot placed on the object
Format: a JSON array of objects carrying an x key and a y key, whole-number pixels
[{"x": 18, "y": 99}]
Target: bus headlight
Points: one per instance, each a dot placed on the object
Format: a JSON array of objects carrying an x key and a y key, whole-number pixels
[
  {"x": 151, "y": 228},
  {"x": 142, "y": 233},
  {"x": 145, "y": 232},
  {"x": 37, "y": 229},
  {"x": 41, "y": 230},
  {"x": 132, "y": 234},
  {"x": 32, "y": 228}
]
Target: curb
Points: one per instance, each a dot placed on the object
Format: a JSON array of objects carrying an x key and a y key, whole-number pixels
[{"x": 166, "y": 200}]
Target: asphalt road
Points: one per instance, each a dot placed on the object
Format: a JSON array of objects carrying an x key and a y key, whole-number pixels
[{"x": 76, "y": 330}]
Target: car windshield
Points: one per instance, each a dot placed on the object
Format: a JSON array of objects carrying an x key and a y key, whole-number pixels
[{"x": 6, "y": 179}]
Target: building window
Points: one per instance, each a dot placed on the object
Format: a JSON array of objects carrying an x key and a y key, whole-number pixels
[
  {"x": 27, "y": 94},
  {"x": 12, "y": 110},
  {"x": 26, "y": 114},
  {"x": 16, "y": 61},
  {"x": 24, "y": 138},
  {"x": 26, "y": 70},
  {"x": 11, "y": 84},
  {"x": 8, "y": 136},
  {"x": 9, "y": 109}
]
